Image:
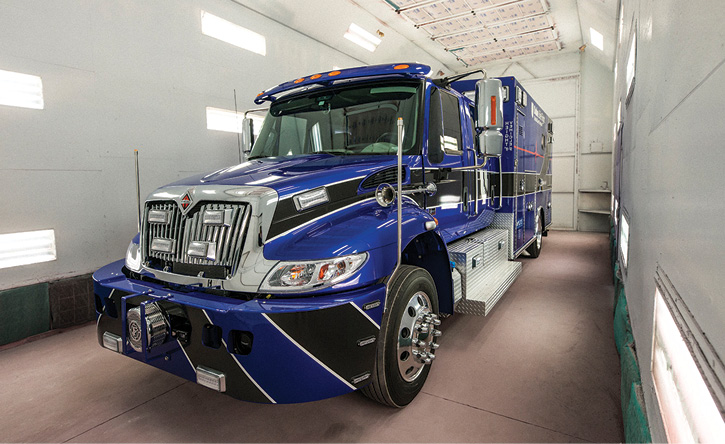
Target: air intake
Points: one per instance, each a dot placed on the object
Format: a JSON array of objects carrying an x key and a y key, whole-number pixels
[{"x": 389, "y": 176}]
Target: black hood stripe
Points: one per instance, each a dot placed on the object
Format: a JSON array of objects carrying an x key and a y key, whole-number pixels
[{"x": 286, "y": 216}]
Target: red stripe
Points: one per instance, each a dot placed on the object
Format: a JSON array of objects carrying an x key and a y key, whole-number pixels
[{"x": 527, "y": 151}]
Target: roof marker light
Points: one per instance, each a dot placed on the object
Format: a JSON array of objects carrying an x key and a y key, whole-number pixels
[
  {"x": 315, "y": 77},
  {"x": 334, "y": 73},
  {"x": 300, "y": 80},
  {"x": 401, "y": 66}
]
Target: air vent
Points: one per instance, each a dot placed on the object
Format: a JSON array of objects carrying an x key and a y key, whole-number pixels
[{"x": 389, "y": 175}]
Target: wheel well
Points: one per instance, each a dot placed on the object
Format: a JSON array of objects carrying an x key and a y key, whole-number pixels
[{"x": 428, "y": 251}]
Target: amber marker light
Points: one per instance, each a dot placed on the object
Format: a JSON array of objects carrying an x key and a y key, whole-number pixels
[
  {"x": 334, "y": 73},
  {"x": 401, "y": 66},
  {"x": 316, "y": 76},
  {"x": 300, "y": 80}
]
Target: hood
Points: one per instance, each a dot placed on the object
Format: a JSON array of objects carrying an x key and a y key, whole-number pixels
[{"x": 289, "y": 176}]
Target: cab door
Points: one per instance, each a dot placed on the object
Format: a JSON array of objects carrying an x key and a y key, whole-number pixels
[{"x": 443, "y": 151}]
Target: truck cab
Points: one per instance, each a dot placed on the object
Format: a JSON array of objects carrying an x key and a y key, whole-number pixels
[{"x": 373, "y": 202}]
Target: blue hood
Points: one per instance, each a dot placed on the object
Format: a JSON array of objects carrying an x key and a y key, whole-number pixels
[{"x": 291, "y": 175}]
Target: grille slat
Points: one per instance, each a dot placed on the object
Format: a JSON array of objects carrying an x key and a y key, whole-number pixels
[
  {"x": 183, "y": 230},
  {"x": 235, "y": 237}
]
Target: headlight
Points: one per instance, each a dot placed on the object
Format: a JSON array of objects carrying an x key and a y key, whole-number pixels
[
  {"x": 133, "y": 257},
  {"x": 312, "y": 275}
]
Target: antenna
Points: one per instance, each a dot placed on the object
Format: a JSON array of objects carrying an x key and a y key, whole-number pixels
[
  {"x": 138, "y": 192},
  {"x": 448, "y": 80},
  {"x": 236, "y": 116}
]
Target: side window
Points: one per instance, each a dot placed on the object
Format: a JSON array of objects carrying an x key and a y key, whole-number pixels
[
  {"x": 435, "y": 128},
  {"x": 451, "y": 124}
]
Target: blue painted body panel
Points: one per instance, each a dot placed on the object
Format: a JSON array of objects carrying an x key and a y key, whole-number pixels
[{"x": 291, "y": 175}]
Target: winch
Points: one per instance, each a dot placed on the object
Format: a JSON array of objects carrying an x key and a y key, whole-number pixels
[{"x": 156, "y": 327}]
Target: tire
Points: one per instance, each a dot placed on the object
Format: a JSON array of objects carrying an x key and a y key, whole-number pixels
[
  {"x": 405, "y": 349},
  {"x": 535, "y": 248}
]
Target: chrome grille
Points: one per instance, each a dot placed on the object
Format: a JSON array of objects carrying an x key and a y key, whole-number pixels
[{"x": 183, "y": 230}]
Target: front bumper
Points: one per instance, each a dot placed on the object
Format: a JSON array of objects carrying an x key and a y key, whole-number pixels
[{"x": 300, "y": 349}]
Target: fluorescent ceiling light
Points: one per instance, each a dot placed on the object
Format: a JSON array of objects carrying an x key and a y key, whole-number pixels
[
  {"x": 597, "y": 38},
  {"x": 362, "y": 38},
  {"x": 21, "y": 90},
  {"x": 28, "y": 247},
  {"x": 233, "y": 34},
  {"x": 230, "y": 121}
]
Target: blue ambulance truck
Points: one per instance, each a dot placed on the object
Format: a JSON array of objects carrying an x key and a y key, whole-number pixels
[{"x": 306, "y": 272}]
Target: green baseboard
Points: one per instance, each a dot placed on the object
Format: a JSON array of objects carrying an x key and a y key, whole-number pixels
[
  {"x": 636, "y": 427},
  {"x": 24, "y": 312}
]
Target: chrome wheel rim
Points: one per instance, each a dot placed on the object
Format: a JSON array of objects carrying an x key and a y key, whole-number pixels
[
  {"x": 416, "y": 336},
  {"x": 538, "y": 233}
]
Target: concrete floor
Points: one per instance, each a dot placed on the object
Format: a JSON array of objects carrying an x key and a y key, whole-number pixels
[{"x": 542, "y": 367}]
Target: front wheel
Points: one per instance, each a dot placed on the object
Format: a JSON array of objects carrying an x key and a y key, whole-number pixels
[{"x": 408, "y": 338}]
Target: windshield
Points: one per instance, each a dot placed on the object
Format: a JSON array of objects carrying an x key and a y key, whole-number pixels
[{"x": 358, "y": 120}]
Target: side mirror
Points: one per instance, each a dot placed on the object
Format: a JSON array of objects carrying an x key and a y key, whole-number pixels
[
  {"x": 247, "y": 134},
  {"x": 489, "y": 104}
]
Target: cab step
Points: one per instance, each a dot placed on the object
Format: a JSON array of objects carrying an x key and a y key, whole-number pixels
[{"x": 485, "y": 271}]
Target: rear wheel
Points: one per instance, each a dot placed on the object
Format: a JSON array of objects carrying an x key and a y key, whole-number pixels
[
  {"x": 407, "y": 339},
  {"x": 535, "y": 248}
]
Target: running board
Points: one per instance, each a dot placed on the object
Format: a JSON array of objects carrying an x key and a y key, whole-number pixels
[{"x": 485, "y": 271}]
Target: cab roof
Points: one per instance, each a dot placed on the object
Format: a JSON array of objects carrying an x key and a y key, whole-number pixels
[{"x": 409, "y": 70}]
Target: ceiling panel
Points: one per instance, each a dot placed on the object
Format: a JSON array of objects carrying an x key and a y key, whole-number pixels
[{"x": 481, "y": 31}]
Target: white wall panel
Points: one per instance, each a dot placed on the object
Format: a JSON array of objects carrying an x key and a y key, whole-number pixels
[
  {"x": 564, "y": 175},
  {"x": 120, "y": 76},
  {"x": 671, "y": 168},
  {"x": 557, "y": 96},
  {"x": 563, "y": 217},
  {"x": 565, "y": 136}
]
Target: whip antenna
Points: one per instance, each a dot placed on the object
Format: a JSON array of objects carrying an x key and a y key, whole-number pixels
[{"x": 236, "y": 116}]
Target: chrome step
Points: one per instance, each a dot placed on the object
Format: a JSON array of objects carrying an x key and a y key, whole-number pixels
[
  {"x": 481, "y": 301},
  {"x": 486, "y": 273}
]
